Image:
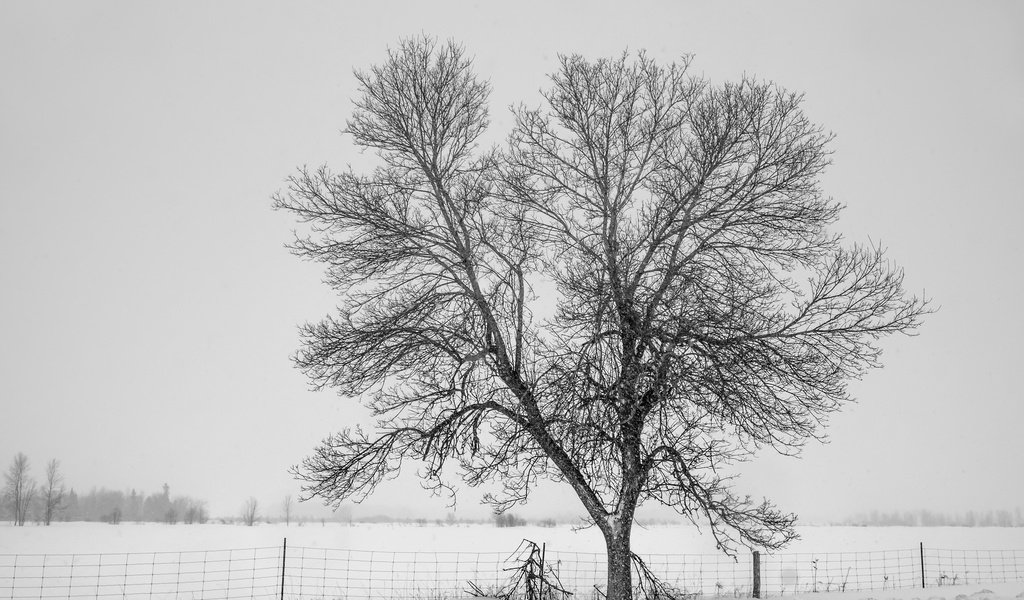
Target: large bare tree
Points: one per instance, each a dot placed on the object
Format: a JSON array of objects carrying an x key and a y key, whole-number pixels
[
  {"x": 702, "y": 308},
  {"x": 19, "y": 489}
]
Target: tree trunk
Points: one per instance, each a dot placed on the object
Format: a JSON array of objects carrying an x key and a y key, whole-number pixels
[
  {"x": 620, "y": 567},
  {"x": 620, "y": 526}
]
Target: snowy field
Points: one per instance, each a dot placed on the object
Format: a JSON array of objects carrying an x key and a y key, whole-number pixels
[
  {"x": 72, "y": 538},
  {"x": 334, "y": 560}
]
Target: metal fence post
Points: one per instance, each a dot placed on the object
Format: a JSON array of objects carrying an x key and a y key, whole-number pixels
[
  {"x": 543, "y": 547},
  {"x": 284, "y": 557},
  {"x": 922, "y": 565},
  {"x": 757, "y": 574}
]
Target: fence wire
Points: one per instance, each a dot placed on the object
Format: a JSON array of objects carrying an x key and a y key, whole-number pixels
[
  {"x": 228, "y": 574},
  {"x": 705, "y": 574},
  {"x": 296, "y": 573},
  {"x": 840, "y": 571},
  {"x": 961, "y": 567},
  {"x": 351, "y": 574}
]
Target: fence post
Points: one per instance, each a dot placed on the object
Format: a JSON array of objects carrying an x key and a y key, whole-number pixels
[
  {"x": 757, "y": 574},
  {"x": 284, "y": 556},
  {"x": 543, "y": 547},
  {"x": 922, "y": 565}
]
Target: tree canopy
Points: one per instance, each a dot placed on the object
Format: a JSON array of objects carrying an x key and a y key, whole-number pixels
[{"x": 702, "y": 308}]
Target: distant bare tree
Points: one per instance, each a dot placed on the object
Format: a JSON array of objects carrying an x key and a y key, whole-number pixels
[
  {"x": 703, "y": 309},
  {"x": 250, "y": 512},
  {"x": 114, "y": 516},
  {"x": 287, "y": 510},
  {"x": 20, "y": 489},
  {"x": 195, "y": 511},
  {"x": 53, "y": 493}
]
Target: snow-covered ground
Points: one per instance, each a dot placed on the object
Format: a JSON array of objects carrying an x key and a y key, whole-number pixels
[
  {"x": 992, "y": 591},
  {"x": 69, "y": 538},
  {"x": 403, "y": 560}
]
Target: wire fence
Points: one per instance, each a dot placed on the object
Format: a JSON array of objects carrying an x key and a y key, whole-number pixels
[
  {"x": 840, "y": 571},
  {"x": 227, "y": 574},
  {"x": 294, "y": 573},
  {"x": 704, "y": 574},
  {"x": 955, "y": 567}
]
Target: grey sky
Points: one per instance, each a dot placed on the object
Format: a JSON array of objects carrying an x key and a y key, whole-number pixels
[{"x": 148, "y": 308}]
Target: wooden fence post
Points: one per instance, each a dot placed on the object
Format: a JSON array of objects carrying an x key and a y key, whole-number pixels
[{"x": 757, "y": 574}]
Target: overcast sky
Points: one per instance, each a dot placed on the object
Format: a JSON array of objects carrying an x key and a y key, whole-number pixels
[{"x": 148, "y": 307}]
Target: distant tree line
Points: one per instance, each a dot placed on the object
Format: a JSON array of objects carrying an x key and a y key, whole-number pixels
[
  {"x": 927, "y": 518},
  {"x": 22, "y": 500},
  {"x": 114, "y": 506},
  {"x": 508, "y": 520}
]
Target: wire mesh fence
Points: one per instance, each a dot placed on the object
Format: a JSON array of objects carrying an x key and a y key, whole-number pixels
[
  {"x": 687, "y": 574},
  {"x": 227, "y": 574},
  {"x": 955, "y": 567},
  {"x": 351, "y": 574},
  {"x": 319, "y": 573},
  {"x": 840, "y": 571}
]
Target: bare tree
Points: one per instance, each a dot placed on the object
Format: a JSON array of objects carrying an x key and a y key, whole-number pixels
[
  {"x": 250, "y": 512},
  {"x": 53, "y": 493},
  {"x": 20, "y": 489},
  {"x": 195, "y": 511},
  {"x": 287, "y": 505},
  {"x": 702, "y": 308}
]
